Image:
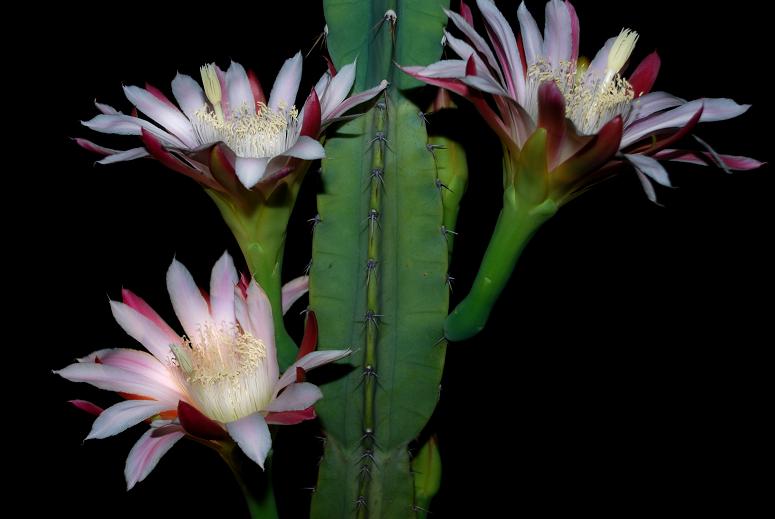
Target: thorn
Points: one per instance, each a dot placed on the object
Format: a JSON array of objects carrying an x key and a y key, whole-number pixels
[
  {"x": 305, "y": 311},
  {"x": 308, "y": 268},
  {"x": 321, "y": 39},
  {"x": 449, "y": 281},
  {"x": 416, "y": 508},
  {"x": 365, "y": 472},
  {"x": 372, "y": 318},
  {"x": 369, "y": 454},
  {"x": 373, "y": 218},
  {"x": 369, "y": 371},
  {"x": 380, "y": 137},
  {"x": 379, "y": 174},
  {"x": 441, "y": 185},
  {"x": 446, "y": 232},
  {"x": 381, "y": 106},
  {"x": 441, "y": 340},
  {"x": 423, "y": 119},
  {"x": 371, "y": 266},
  {"x": 322, "y": 439},
  {"x": 314, "y": 221},
  {"x": 312, "y": 490},
  {"x": 433, "y": 147},
  {"x": 360, "y": 502}
]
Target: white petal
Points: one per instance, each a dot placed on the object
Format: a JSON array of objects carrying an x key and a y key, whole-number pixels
[
  {"x": 127, "y": 125},
  {"x": 501, "y": 30},
  {"x": 647, "y": 186},
  {"x": 306, "y": 148},
  {"x": 650, "y": 167},
  {"x": 187, "y": 301},
  {"x": 260, "y": 314},
  {"x": 222, "y": 282},
  {"x": 713, "y": 110},
  {"x": 322, "y": 85},
  {"x": 239, "y": 91},
  {"x": 249, "y": 170},
  {"x": 123, "y": 415},
  {"x": 106, "y": 109},
  {"x": 296, "y": 397},
  {"x": 287, "y": 83},
  {"x": 189, "y": 95},
  {"x": 308, "y": 362},
  {"x": 476, "y": 40},
  {"x": 143, "y": 330},
  {"x": 652, "y": 103},
  {"x": 337, "y": 89},
  {"x": 167, "y": 116},
  {"x": 145, "y": 454},
  {"x": 531, "y": 35},
  {"x": 600, "y": 61},
  {"x": 252, "y": 435},
  {"x": 558, "y": 37},
  {"x": 122, "y": 156},
  {"x": 293, "y": 290},
  {"x": 354, "y": 101},
  {"x": 111, "y": 378},
  {"x": 138, "y": 362}
]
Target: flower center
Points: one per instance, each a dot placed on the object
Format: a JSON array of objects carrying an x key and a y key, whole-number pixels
[
  {"x": 591, "y": 99},
  {"x": 250, "y": 133},
  {"x": 226, "y": 372}
]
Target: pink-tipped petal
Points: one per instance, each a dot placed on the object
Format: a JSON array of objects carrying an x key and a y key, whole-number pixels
[
  {"x": 306, "y": 148},
  {"x": 308, "y": 362},
  {"x": 156, "y": 340},
  {"x": 157, "y": 150},
  {"x": 197, "y": 424},
  {"x": 158, "y": 94},
  {"x": 645, "y": 75},
  {"x": 476, "y": 40},
  {"x": 466, "y": 13},
  {"x": 95, "y": 148},
  {"x": 252, "y": 435},
  {"x": 138, "y": 362},
  {"x": 558, "y": 33},
  {"x": 106, "y": 109},
  {"x": 111, "y": 378},
  {"x": 123, "y": 156},
  {"x": 532, "y": 41},
  {"x": 137, "y": 303},
  {"x": 167, "y": 115},
  {"x": 250, "y": 171},
  {"x": 255, "y": 87},
  {"x": 311, "y": 116},
  {"x": 291, "y": 417},
  {"x": 296, "y": 397},
  {"x": 222, "y": 282},
  {"x": 86, "y": 406},
  {"x": 713, "y": 110},
  {"x": 453, "y": 85},
  {"x": 260, "y": 314},
  {"x": 187, "y": 301},
  {"x": 239, "y": 90},
  {"x": 575, "y": 31},
  {"x": 145, "y": 455},
  {"x": 733, "y": 162},
  {"x": 123, "y": 415},
  {"x": 650, "y": 104},
  {"x": 189, "y": 95},
  {"x": 338, "y": 89},
  {"x": 293, "y": 290},
  {"x": 287, "y": 84}
]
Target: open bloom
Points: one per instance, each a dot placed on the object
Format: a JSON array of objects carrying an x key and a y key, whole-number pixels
[
  {"x": 595, "y": 118},
  {"x": 220, "y": 379},
  {"x": 264, "y": 139}
]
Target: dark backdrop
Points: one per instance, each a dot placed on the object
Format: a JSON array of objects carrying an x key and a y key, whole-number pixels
[{"x": 623, "y": 372}]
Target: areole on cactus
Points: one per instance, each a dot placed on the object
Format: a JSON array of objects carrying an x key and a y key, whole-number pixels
[{"x": 392, "y": 180}]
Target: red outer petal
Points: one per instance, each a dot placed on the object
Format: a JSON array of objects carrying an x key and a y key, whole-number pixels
[
  {"x": 244, "y": 283},
  {"x": 644, "y": 76},
  {"x": 84, "y": 405},
  {"x": 704, "y": 158},
  {"x": 301, "y": 375},
  {"x": 470, "y": 66},
  {"x": 310, "y": 340},
  {"x": 331, "y": 67},
  {"x": 134, "y": 113},
  {"x": 465, "y": 12},
  {"x": 522, "y": 57},
  {"x": 164, "y": 430},
  {"x": 651, "y": 149},
  {"x": 138, "y": 303},
  {"x": 568, "y": 175},
  {"x": 197, "y": 424},
  {"x": 551, "y": 117},
  {"x": 255, "y": 87},
  {"x": 310, "y": 126},
  {"x": 291, "y": 417},
  {"x": 157, "y": 151},
  {"x": 158, "y": 94},
  {"x": 94, "y": 148}
]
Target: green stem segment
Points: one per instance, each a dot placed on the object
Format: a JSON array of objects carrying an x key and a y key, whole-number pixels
[
  {"x": 516, "y": 224},
  {"x": 256, "y": 485}
]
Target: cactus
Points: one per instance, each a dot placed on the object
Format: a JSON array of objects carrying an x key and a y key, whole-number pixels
[{"x": 379, "y": 281}]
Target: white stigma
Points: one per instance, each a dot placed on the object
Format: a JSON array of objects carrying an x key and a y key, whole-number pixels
[
  {"x": 621, "y": 50},
  {"x": 212, "y": 87},
  {"x": 226, "y": 372},
  {"x": 250, "y": 132}
]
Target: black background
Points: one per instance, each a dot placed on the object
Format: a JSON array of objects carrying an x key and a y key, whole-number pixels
[{"x": 624, "y": 371}]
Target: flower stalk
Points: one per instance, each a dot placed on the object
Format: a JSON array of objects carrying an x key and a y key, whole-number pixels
[{"x": 256, "y": 485}]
